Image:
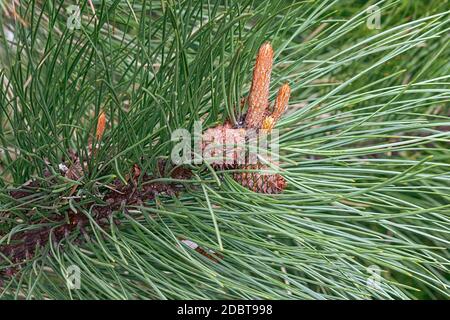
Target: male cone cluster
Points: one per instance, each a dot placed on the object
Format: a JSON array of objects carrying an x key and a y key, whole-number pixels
[{"x": 259, "y": 117}]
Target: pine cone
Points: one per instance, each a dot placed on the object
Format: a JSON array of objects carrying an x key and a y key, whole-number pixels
[
  {"x": 261, "y": 182},
  {"x": 215, "y": 142}
]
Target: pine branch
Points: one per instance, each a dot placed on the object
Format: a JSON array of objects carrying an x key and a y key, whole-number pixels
[{"x": 363, "y": 150}]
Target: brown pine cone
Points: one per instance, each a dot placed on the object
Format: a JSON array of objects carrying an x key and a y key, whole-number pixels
[
  {"x": 261, "y": 182},
  {"x": 215, "y": 142}
]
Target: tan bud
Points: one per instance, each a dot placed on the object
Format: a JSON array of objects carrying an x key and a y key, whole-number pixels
[
  {"x": 281, "y": 101},
  {"x": 101, "y": 124},
  {"x": 258, "y": 99}
]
